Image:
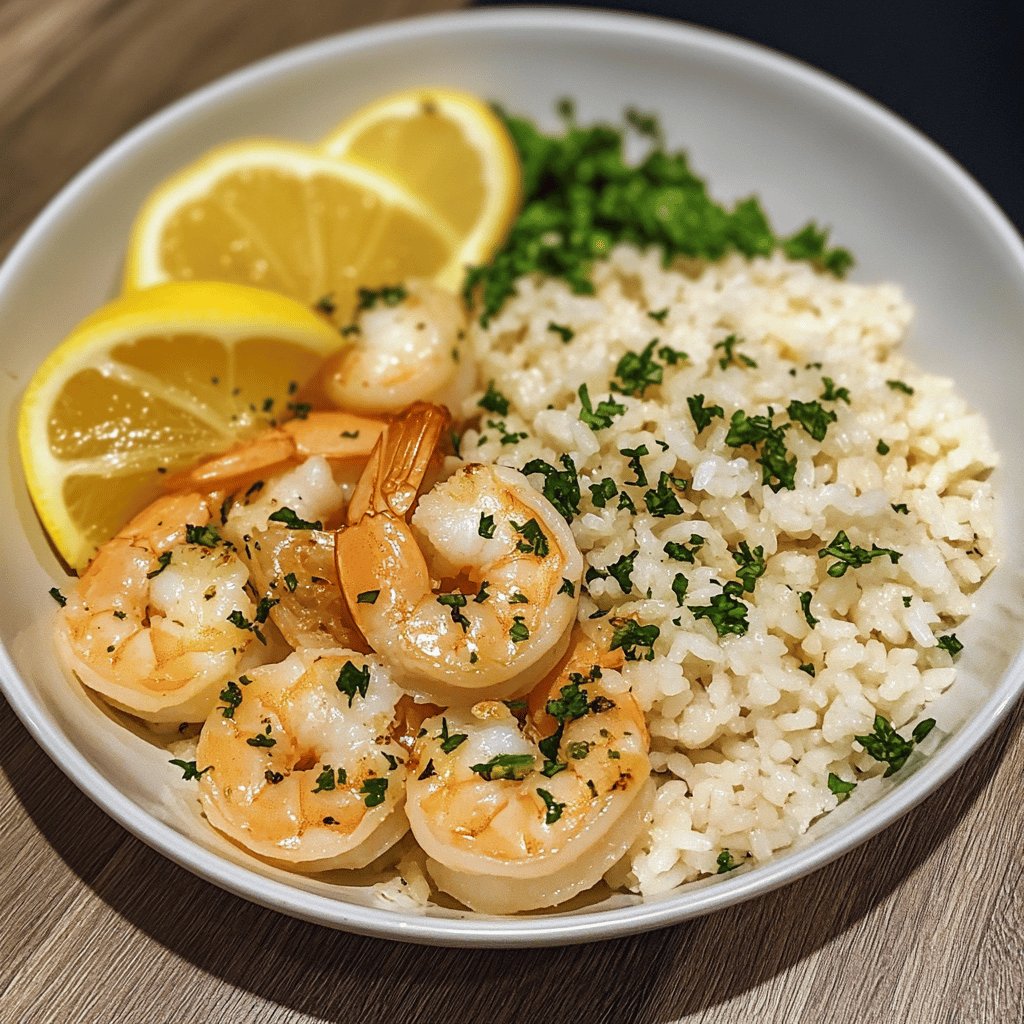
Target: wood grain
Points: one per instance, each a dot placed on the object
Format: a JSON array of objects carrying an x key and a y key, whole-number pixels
[{"x": 922, "y": 924}]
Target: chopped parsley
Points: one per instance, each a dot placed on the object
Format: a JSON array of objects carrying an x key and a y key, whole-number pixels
[
  {"x": 163, "y": 560},
  {"x": 291, "y": 581},
  {"x": 730, "y": 356},
  {"x": 455, "y": 602},
  {"x": 450, "y": 741},
  {"x": 486, "y": 527},
  {"x": 239, "y": 621},
  {"x": 703, "y": 414},
  {"x": 389, "y": 295},
  {"x": 751, "y": 565},
  {"x": 663, "y": 501},
  {"x": 899, "y": 385},
  {"x": 885, "y": 744},
  {"x": 808, "y": 668},
  {"x": 726, "y": 612},
  {"x": 535, "y": 541},
  {"x": 579, "y": 749},
  {"x": 631, "y": 638},
  {"x": 901, "y": 508},
  {"x": 811, "y": 244},
  {"x": 621, "y": 570},
  {"x": 658, "y": 315},
  {"x": 602, "y": 416},
  {"x": 287, "y": 517},
  {"x": 368, "y": 597},
  {"x": 637, "y": 371},
  {"x": 725, "y": 863},
  {"x": 325, "y": 304},
  {"x": 812, "y": 416},
  {"x": 262, "y": 740},
  {"x": 518, "y": 631},
  {"x": 325, "y": 781},
  {"x": 852, "y": 556},
  {"x": 207, "y": 536},
  {"x": 681, "y": 553},
  {"x": 352, "y": 680},
  {"x": 373, "y": 791},
  {"x": 882, "y": 448},
  {"x": 554, "y": 808},
  {"x": 263, "y": 608},
  {"x": 300, "y": 410},
  {"x": 840, "y": 787},
  {"x": 188, "y": 769},
  {"x": 626, "y": 502},
  {"x": 805, "y": 606},
  {"x": 581, "y": 197},
  {"x": 679, "y": 586},
  {"x": 950, "y": 644},
  {"x": 777, "y": 470},
  {"x": 603, "y": 492},
  {"x": 58, "y": 596},
  {"x": 561, "y": 486},
  {"x": 635, "y": 455},
  {"x": 232, "y": 697},
  {"x": 567, "y": 587},
  {"x": 505, "y": 766},
  {"x": 494, "y": 401},
  {"x": 832, "y": 393},
  {"x": 504, "y": 436},
  {"x": 565, "y": 333}
]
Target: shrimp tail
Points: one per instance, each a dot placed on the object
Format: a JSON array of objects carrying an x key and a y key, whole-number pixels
[{"x": 403, "y": 455}]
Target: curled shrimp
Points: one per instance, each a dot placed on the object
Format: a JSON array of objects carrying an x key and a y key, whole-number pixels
[
  {"x": 337, "y": 436},
  {"x": 477, "y": 593},
  {"x": 521, "y": 814},
  {"x": 150, "y": 626},
  {"x": 299, "y": 764},
  {"x": 402, "y": 351},
  {"x": 287, "y": 489}
]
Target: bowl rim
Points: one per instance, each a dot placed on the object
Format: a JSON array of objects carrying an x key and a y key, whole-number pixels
[{"x": 557, "y": 928}]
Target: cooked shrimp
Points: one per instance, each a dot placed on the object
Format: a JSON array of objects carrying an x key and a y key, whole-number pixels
[
  {"x": 149, "y": 626},
  {"x": 408, "y": 351},
  {"x": 337, "y": 436},
  {"x": 299, "y": 764},
  {"x": 518, "y": 815},
  {"x": 508, "y": 566}
]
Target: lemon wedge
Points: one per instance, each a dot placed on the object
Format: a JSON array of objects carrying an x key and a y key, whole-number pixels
[
  {"x": 448, "y": 148},
  {"x": 150, "y": 383},
  {"x": 291, "y": 219}
]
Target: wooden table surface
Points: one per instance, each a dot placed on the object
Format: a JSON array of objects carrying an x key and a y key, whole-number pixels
[{"x": 925, "y": 923}]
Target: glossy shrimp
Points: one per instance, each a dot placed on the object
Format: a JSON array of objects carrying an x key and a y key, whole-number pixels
[
  {"x": 300, "y": 765},
  {"x": 406, "y": 348},
  {"x": 283, "y": 493},
  {"x": 476, "y": 594},
  {"x": 150, "y": 625},
  {"x": 521, "y": 813}
]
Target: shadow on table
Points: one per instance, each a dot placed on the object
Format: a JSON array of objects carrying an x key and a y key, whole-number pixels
[{"x": 660, "y": 976}]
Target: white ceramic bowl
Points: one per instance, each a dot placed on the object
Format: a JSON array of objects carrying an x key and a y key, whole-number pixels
[{"x": 753, "y": 121}]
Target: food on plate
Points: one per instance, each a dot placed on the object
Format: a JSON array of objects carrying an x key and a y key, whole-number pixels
[
  {"x": 148, "y": 384},
  {"x": 303, "y": 766},
  {"x": 475, "y": 595},
  {"x": 616, "y": 570},
  {"x": 449, "y": 148}
]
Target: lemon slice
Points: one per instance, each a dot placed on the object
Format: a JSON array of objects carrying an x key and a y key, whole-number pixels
[
  {"x": 448, "y": 148},
  {"x": 149, "y": 383},
  {"x": 289, "y": 218}
]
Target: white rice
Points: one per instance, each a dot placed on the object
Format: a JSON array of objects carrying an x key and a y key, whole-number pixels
[{"x": 742, "y": 739}]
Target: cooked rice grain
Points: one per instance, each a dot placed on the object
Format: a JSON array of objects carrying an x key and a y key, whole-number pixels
[{"x": 743, "y": 739}]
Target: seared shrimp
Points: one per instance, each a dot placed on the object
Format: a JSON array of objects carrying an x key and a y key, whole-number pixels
[
  {"x": 338, "y": 436},
  {"x": 304, "y": 472},
  {"x": 150, "y": 625},
  {"x": 519, "y": 815},
  {"x": 508, "y": 566},
  {"x": 401, "y": 353},
  {"x": 299, "y": 764}
]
